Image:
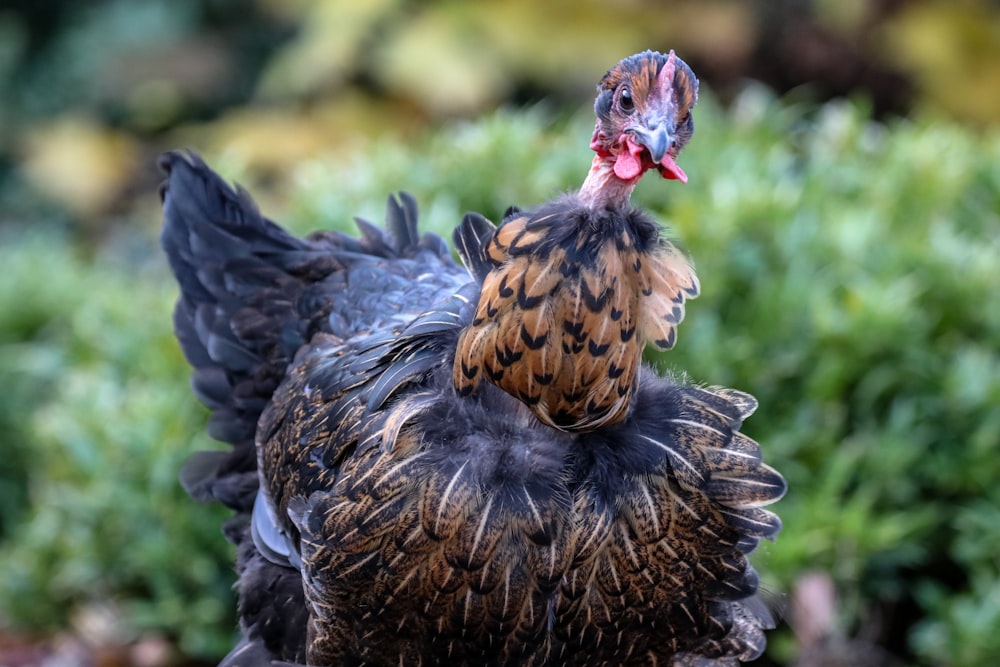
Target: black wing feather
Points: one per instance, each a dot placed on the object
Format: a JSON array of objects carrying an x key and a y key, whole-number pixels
[{"x": 471, "y": 239}]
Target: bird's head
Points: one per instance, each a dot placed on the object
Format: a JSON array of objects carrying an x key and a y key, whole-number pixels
[{"x": 643, "y": 120}]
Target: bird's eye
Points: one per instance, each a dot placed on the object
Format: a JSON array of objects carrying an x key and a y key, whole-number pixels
[{"x": 625, "y": 101}]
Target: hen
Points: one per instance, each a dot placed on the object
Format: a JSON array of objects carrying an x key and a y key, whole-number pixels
[{"x": 392, "y": 508}]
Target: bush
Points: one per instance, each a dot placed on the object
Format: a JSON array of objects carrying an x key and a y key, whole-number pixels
[
  {"x": 849, "y": 275},
  {"x": 102, "y": 419}
]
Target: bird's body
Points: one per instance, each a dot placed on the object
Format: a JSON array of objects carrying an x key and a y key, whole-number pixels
[{"x": 393, "y": 512}]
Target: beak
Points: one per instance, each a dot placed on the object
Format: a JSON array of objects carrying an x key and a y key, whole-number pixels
[{"x": 656, "y": 140}]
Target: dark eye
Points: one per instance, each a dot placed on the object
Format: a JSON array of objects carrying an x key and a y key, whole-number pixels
[{"x": 625, "y": 101}]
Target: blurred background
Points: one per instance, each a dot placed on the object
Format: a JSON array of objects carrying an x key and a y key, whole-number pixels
[{"x": 843, "y": 211}]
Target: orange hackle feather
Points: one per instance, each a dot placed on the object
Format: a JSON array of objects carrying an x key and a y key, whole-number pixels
[{"x": 563, "y": 329}]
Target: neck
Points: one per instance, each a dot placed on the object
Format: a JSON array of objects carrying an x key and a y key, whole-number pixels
[{"x": 602, "y": 187}]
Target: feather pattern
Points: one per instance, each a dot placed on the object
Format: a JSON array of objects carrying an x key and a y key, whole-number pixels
[
  {"x": 538, "y": 551},
  {"x": 573, "y": 297},
  {"x": 392, "y": 508}
]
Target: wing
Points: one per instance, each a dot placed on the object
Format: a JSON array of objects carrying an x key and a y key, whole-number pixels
[{"x": 340, "y": 456}]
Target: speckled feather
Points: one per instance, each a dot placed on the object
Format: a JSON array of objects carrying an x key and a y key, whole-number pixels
[
  {"x": 574, "y": 296},
  {"x": 467, "y": 536},
  {"x": 383, "y": 518}
]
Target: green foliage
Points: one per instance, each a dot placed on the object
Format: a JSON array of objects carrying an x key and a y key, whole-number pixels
[
  {"x": 961, "y": 627},
  {"x": 849, "y": 272},
  {"x": 102, "y": 419},
  {"x": 486, "y": 166}
]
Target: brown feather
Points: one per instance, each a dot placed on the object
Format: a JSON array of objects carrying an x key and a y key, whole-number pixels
[
  {"x": 562, "y": 327},
  {"x": 442, "y": 527}
]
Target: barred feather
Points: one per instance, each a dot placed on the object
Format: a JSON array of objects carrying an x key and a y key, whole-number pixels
[{"x": 574, "y": 296}]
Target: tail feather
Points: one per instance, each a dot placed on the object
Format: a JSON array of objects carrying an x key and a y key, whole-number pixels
[
  {"x": 251, "y": 295},
  {"x": 225, "y": 256},
  {"x": 249, "y": 299},
  {"x": 400, "y": 236},
  {"x": 401, "y": 221}
]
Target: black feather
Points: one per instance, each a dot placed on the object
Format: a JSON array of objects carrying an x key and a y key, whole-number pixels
[
  {"x": 251, "y": 296},
  {"x": 471, "y": 238},
  {"x": 393, "y": 521}
]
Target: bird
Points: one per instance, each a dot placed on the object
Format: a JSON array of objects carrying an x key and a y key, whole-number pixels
[
  {"x": 579, "y": 286},
  {"x": 435, "y": 462}
]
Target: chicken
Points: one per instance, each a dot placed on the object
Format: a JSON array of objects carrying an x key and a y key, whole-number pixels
[
  {"x": 576, "y": 288},
  {"x": 392, "y": 509}
]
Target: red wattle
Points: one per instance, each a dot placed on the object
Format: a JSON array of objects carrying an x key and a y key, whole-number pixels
[
  {"x": 628, "y": 167},
  {"x": 670, "y": 169},
  {"x": 628, "y": 164}
]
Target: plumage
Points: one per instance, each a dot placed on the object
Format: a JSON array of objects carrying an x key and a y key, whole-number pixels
[
  {"x": 579, "y": 293},
  {"x": 392, "y": 508},
  {"x": 579, "y": 286}
]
